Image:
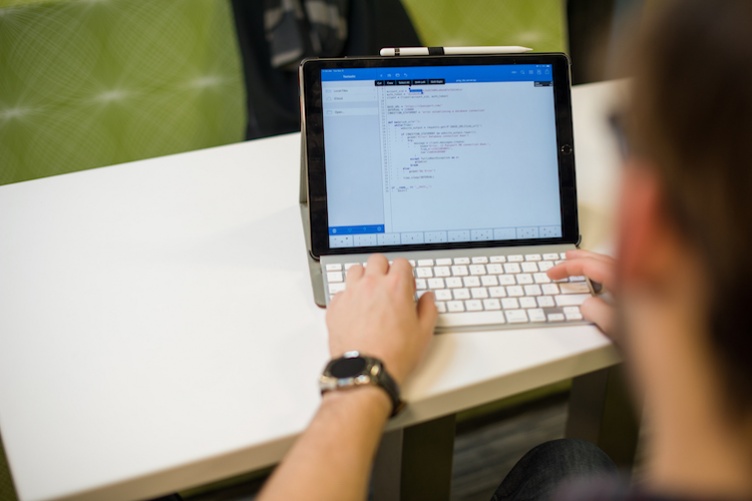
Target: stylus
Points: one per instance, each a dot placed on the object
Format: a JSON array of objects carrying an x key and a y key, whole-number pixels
[{"x": 440, "y": 51}]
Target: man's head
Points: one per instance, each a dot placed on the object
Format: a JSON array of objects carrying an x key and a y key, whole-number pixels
[{"x": 687, "y": 195}]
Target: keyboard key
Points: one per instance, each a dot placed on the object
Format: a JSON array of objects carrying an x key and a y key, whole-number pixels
[
  {"x": 444, "y": 261},
  {"x": 515, "y": 290},
  {"x": 334, "y": 276},
  {"x": 459, "y": 270},
  {"x": 578, "y": 279},
  {"x": 545, "y": 301},
  {"x": 461, "y": 294},
  {"x": 471, "y": 281},
  {"x": 498, "y": 259},
  {"x": 491, "y": 304},
  {"x": 477, "y": 269},
  {"x": 453, "y": 282},
  {"x": 516, "y": 258},
  {"x": 512, "y": 268},
  {"x": 531, "y": 267},
  {"x": 425, "y": 262},
  {"x": 510, "y": 303},
  {"x": 420, "y": 284},
  {"x": 541, "y": 278},
  {"x": 462, "y": 260},
  {"x": 545, "y": 265},
  {"x": 524, "y": 279},
  {"x": 494, "y": 268},
  {"x": 456, "y": 306},
  {"x": 550, "y": 289},
  {"x": 473, "y": 305},
  {"x": 489, "y": 281},
  {"x": 555, "y": 317},
  {"x": 572, "y": 313},
  {"x": 449, "y": 320},
  {"x": 479, "y": 293},
  {"x": 497, "y": 292},
  {"x": 442, "y": 271},
  {"x": 507, "y": 280},
  {"x": 551, "y": 256},
  {"x": 571, "y": 299},
  {"x": 533, "y": 257},
  {"x": 563, "y": 255},
  {"x": 516, "y": 316},
  {"x": 528, "y": 302},
  {"x": 479, "y": 260},
  {"x": 334, "y": 267},
  {"x": 533, "y": 290},
  {"x": 536, "y": 315},
  {"x": 435, "y": 283},
  {"x": 443, "y": 294},
  {"x": 423, "y": 272},
  {"x": 441, "y": 306}
]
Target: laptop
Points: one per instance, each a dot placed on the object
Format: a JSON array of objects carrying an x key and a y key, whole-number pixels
[{"x": 463, "y": 165}]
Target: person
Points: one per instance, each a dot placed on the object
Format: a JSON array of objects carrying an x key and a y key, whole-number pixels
[{"x": 682, "y": 282}]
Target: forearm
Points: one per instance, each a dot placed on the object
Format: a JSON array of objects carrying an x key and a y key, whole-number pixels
[{"x": 332, "y": 459}]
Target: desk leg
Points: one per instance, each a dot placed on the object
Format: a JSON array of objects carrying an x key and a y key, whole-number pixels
[
  {"x": 601, "y": 411},
  {"x": 415, "y": 463}
]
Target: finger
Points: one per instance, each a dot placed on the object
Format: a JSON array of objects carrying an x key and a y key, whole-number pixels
[
  {"x": 427, "y": 312},
  {"x": 595, "y": 270},
  {"x": 354, "y": 274},
  {"x": 377, "y": 265},
  {"x": 581, "y": 253},
  {"x": 599, "y": 312}
]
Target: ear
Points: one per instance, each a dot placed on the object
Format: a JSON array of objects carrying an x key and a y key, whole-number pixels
[{"x": 641, "y": 225}]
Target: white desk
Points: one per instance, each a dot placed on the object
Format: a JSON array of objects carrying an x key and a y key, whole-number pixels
[{"x": 157, "y": 327}]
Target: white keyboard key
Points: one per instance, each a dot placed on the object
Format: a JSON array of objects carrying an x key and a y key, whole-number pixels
[
  {"x": 489, "y": 281},
  {"x": 477, "y": 269},
  {"x": 435, "y": 283},
  {"x": 533, "y": 257},
  {"x": 453, "y": 282},
  {"x": 575, "y": 288},
  {"x": 577, "y": 279},
  {"x": 411, "y": 261},
  {"x": 515, "y": 290},
  {"x": 424, "y": 272},
  {"x": 349, "y": 265},
  {"x": 516, "y": 316},
  {"x": 442, "y": 271},
  {"x": 334, "y": 276},
  {"x": 571, "y": 299},
  {"x": 512, "y": 267},
  {"x": 494, "y": 269},
  {"x": 471, "y": 281},
  {"x": 524, "y": 279},
  {"x": 528, "y": 302},
  {"x": 555, "y": 317},
  {"x": 425, "y": 262},
  {"x": 443, "y": 294},
  {"x": 536, "y": 315},
  {"x": 510, "y": 303},
  {"x": 479, "y": 260},
  {"x": 541, "y": 278},
  {"x": 572, "y": 313},
  {"x": 462, "y": 260},
  {"x": 334, "y": 267},
  {"x": 533, "y": 290},
  {"x": 550, "y": 289},
  {"x": 546, "y": 301},
  {"x": 473, "y": 305},
  {"x": 563, "y": 255},
  {"x": 507, "y": 280},
  {"x": 479, "y": 293},
  {"x": 545, "y": 265},
  {"x": 444, "y": 261},
  {"x": 455, "y": 306},
  {"x": 459, "y": 270},
  {"x": 551, "y": 256},
  {"x": 461, "y": 294},
  {"x": 476, "y": 318},
  {"x": 336, "y": 287},
  {"x": 441, "y": 306},
  {"x": 498, "y": 259},
  {"x": 497, "y": 292},
  {"x": 530, "y": 267},
  {"x": 420, "y": 284},
  {"x": 491, "y": 304},
  {"x": 516, "y": 258}
]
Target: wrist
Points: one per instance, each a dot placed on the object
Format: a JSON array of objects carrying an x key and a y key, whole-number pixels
[{"x": 372, "y": 398}]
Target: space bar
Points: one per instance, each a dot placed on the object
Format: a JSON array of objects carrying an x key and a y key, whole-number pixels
[{"x": 447, "y": 320}]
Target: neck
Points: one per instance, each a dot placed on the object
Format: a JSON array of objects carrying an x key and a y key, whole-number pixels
[{"x": 695, "y": 449}]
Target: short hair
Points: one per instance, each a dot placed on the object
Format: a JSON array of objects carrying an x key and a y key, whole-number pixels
[{"x": 691, "y": 116}]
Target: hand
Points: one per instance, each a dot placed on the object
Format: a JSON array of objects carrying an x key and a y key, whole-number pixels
[
  {"x": 598, "y": 268},
  {"x": 377, "y": 316}
]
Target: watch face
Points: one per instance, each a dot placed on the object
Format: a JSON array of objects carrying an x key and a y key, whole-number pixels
[{"x": 348, "y": 367}]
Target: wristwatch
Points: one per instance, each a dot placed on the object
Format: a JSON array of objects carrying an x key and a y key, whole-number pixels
[{"x": 353, "y": 369}]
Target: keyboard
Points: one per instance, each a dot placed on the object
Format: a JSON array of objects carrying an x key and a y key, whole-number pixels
[{"x": 494, "y": 290}]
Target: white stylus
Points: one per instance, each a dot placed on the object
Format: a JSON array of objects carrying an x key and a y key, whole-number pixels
[{"x": 440, "y": 51}]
